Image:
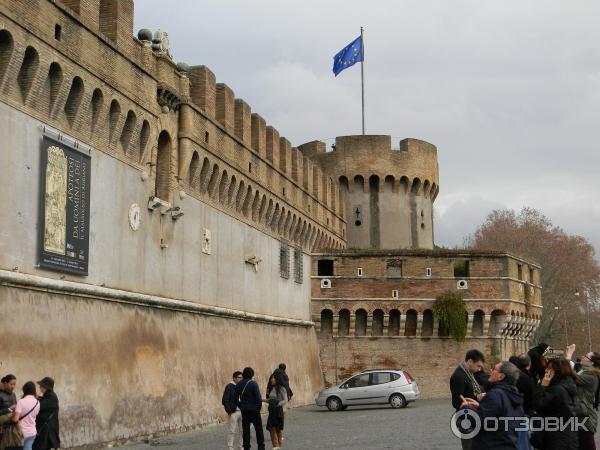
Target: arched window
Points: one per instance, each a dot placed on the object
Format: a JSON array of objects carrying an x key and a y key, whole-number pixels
[
  {"x": 477, "y": 329},
  {"x": 360, "y": 325},
  {"x": 163, "y": 167},
  {"x": 410, "y": 327},
  {"x": 113, "y": 118},
  {"x": 326, "y": 323},
  {"x": 344, "y": 322},
  {"x": 394, "y": 325},
  {"x": 28, "y": 71},
  {"x": 377, "y": 328},
  {"x": 497, "y": 320},
  {"x": 427, "y": 328},
  {"x": 97, "y": 103},
  {"x": 74, "y": 99}
]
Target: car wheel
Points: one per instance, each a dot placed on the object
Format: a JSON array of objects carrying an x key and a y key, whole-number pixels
[
  {"x": 398, "y": 401},
  {"x": 334, "y": 404}
]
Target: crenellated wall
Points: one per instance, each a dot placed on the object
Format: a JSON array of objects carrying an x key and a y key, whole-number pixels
[{"x": 389, "y": 194}]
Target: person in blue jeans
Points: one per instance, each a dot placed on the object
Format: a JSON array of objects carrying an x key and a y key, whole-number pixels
[{"x": 250, "y": 402}]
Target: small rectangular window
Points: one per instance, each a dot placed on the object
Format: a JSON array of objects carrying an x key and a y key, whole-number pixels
[
  {"x": 325, "y": 267},
  {"x": 520, "y": 271},
  {"x": 531, "y": 276},
  {"x": 298, "y": 266},
  {"x": 359, "y": 272},
  {"x": 461, "y": 268},
  {"x": 57, "y": 32},
  {"x": 284, "y": 260},
  {"x": 395, "y": 293},
  {"x": 428, "y": 271}
]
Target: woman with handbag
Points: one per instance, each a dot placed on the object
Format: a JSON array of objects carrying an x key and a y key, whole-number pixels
[
  {"x": 557, "y": 401},
  {"x": 588, "y": 398},
  {"x": 277, "y": 400},
  {"x": 47, "y": 419},
  {"x": 11, "y": 437},
  {"x": 25, "y": 414}
]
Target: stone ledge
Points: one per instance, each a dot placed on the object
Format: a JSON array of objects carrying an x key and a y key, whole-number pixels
[{"x": 34, "y": 282}]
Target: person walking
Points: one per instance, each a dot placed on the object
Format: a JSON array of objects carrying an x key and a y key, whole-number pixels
[
  {"x": 26, "y": 412},
  {"x": 502, "y": 400},
  {"x": 464, "y": 385},
  {"x": 277, "y": 400},
  {"x": 46, "y": 422},
  {"x": 250, "y": 402},
  {"x": 556, "y": 401},
  {"x": 234, "y": 419},
  {"x": 588, "y": 399}
]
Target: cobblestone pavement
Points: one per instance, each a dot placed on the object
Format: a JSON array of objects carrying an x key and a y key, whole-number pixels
[{"x": 424, "y": 424}]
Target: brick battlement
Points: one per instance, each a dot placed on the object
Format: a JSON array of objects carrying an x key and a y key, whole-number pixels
[{"x": 76, "y": 66}]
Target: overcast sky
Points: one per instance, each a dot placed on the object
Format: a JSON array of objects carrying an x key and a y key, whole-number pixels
[{"x": 508, "y": 91}]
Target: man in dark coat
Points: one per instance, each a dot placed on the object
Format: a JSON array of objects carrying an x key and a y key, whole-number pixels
[
  {"x": 46, "y": 421},
  {"x": 250, "y": 403},
  {"x": 281, "y": 374},
  {"x": 502, "y": 400},
  {"x": 234, "y": 415}
]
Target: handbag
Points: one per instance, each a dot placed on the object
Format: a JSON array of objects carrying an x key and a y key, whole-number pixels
[{"x": 12, "y": 436}]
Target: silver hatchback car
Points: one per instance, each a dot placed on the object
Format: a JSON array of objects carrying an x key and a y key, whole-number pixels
[{"x": 371, "y": 387}]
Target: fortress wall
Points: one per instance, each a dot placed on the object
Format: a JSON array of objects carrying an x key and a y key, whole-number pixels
[{"x": 125, "y": 370}]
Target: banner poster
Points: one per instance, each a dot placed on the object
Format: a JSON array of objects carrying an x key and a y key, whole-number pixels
[{"x": 65, "y": 208}]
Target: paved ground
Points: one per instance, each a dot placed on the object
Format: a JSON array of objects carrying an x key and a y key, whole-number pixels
[{"x": 422, "y": 425}]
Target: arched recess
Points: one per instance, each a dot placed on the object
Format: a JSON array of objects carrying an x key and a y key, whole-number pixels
[
  {"x": 416, "y": 186},
  {"x": 231, "y": 191},
  {"x": 261, "y": 209},
  {"x": 240, "y": 196},
  {"x": 344, "y": 183},
  {"x": 426, "y": 188},
  {"x": 97, "y": 103},
  {"x": 275, "y": 218},
  {"x": 410, "y": 327},
  {"x": 477, "y": 329},
  {"x": 389, "y": 184},
  {"x": 74, "y": 99},
  {"x": 247, "y": 200},
  {"x": 114, "y": 113},
  {"x": 359, "y": 184},
  {"x": 163, "y": 166},
  {"x": 427, "y": 328},
  {"x": 497, "y": 319},
  {"x": 53, "y": 84},
  {"x": 194, "y": 172},
  {"x": 403, "y": 184},
  {"x": 223, "y": 188},
  {"x": 204, "y": 175},
  {"x": 394, "y": 324},
  {"x": 269, "y": 215},
  {"x": 344, "y": 322},
  {"x": 377, "y": 328},
  {"x": 28, "y": 71},
  {"x": 144, "y": 137},
  {"x": 326, "y": 323},
  {"x": 127, "y": 132},
  {"x": 212, "y": 183},
  {"x": 360, "y": 325},
  {"x": 6, "y": 50}
]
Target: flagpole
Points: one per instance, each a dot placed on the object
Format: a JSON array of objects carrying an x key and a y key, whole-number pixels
[{"x": 362, "y": 78}]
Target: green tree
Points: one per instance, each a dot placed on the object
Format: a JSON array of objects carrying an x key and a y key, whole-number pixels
[{"x": 451, "y": 311}]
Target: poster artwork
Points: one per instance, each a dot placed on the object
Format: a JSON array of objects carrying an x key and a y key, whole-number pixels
[{"x": 65, "y": 205}]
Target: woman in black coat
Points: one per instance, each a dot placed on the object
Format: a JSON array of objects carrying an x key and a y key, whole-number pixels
[
  {"x": 46, "y": 421},
  {"x": 557, "y": 400}
]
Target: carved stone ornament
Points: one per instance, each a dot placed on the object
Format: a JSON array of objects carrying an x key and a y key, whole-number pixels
[{"x": 135, "y": 216}]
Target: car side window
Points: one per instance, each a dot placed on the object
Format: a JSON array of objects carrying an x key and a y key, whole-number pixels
[
  {"x": 395, "y": 376},
  {"x": 359, "y": 381},
  {"x": 382, "y": 377}
]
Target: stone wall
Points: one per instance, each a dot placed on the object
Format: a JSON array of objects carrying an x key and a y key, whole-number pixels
[{"x": 124, "y": 369}]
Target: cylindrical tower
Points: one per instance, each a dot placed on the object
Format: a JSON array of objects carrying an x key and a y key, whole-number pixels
[{"x": 389, "y": 194}]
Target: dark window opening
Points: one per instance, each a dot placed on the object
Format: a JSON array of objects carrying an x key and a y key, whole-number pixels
[
  {"x": 461, "y": 268},
  {"x": 283, "y": 192},
  {"x": 206, "y": 137},
  {"x": 325, "y": 267},
  {"x": 57, "y": 32},
  {"x": 520, "y": 271},
  {"x": 531, "y": 276},
  {"x": 250, "y": 167}
]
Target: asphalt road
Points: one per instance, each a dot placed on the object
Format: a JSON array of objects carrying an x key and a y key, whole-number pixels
[{"x": 424, "y": 424}]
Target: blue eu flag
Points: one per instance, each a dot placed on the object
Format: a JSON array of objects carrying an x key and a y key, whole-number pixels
[{"x": 348, "y": 56}]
